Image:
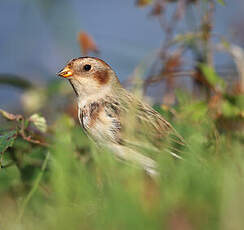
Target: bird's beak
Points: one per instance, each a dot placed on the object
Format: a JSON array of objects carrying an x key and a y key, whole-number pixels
[{"x": 65, "y": 72}]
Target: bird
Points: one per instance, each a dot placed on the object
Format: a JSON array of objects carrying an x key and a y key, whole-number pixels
[{"x": 115, "y": 118}]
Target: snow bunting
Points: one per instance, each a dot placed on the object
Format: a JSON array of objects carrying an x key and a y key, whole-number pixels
[{"x": 114, "y": 117}]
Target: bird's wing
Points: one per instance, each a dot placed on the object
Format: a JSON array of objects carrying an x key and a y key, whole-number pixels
[{"x": 141, "y": 127}]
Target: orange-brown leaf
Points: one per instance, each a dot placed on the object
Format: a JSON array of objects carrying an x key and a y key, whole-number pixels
[
  {"x": 157, "y": 9},
  {"x": 87, "y": 43},
  {"x": 172, "y": 63},
  {"x": 143, "y": 3}
]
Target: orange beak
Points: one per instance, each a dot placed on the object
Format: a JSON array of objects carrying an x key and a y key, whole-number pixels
[{"x": 65, "y": 72}]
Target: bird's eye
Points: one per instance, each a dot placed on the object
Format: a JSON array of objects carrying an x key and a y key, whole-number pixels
[{"x": 87, "y": 67}]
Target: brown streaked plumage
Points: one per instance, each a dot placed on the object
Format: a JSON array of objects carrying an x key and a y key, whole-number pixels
[{"x": 116, "y": 118}]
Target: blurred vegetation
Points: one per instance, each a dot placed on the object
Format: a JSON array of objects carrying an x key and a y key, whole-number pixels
[{"x": 53, "y": 177}]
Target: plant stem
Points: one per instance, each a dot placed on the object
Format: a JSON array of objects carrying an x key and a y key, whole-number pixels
[{"x": 34, "y": 188}]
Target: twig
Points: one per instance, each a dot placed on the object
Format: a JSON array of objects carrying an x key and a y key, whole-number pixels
[
  {"x": 168, "y": 28},
  {"x": 156, "y": 78},
  {"x": 20, "y": 118},
  {"x": 28, "y": 138}
]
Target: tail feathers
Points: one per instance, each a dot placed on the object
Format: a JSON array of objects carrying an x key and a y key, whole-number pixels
[
  {"x": 148, "y": 164},
  {"x": 127, "y": 154}
]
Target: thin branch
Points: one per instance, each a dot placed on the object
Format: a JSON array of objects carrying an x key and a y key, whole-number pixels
[
  {"x": 20, "y": 118},
  {"x": 168, "y": 28},
  {"x": 28, "y": 138}
]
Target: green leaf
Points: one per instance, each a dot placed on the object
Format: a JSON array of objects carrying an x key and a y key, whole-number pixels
[
  {"x": 221, "y": 2},
  {"x": 212, "y": 77},
  {"x": 7, "y": 140},
  {"x": 240, "y": 101},
  {"x": 229, "y": 110},
  {"x": 39, "y": 122},
  {"x": 197, "y": 110}
]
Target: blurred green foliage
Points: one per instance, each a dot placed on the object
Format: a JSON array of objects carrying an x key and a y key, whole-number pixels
[
  {"x": 81, "y": 187},
  {"x": 53, "y": 177}
]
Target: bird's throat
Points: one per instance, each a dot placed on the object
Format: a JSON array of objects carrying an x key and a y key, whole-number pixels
[{"x": 76, "y": 93}]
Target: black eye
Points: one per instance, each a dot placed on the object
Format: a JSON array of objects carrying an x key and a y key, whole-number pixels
[{"x": 87, "y": 67}]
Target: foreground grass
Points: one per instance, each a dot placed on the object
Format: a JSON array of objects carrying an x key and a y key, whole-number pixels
[{"x": 79, "y": 187}]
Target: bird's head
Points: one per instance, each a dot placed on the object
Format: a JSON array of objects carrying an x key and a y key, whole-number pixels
[{"x": 89, "y": 76}]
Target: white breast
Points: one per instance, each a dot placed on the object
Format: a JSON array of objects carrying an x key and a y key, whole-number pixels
[{"x": 99, "y": 129}]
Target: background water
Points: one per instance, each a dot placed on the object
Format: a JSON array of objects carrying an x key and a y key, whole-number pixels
[{"x": 38, "y": 37}]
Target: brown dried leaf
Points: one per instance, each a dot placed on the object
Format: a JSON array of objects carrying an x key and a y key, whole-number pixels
[
  {"x": 143, "y": 3},
  {"x": 157, "y": 9},
  {"x": 172, "y": 63},
  {"x": 87, "y": 43}
]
